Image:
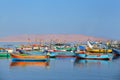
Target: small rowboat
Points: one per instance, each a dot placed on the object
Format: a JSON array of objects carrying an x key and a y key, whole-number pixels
[{"x": 16, "y": 57}]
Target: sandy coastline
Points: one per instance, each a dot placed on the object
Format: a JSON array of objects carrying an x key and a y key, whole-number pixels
[{"x": 49, "y": 37}]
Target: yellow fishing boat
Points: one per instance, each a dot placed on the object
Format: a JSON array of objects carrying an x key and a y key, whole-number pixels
[
  {"x": 97, "y": 48},
  {"x": 100, "y": 50}
]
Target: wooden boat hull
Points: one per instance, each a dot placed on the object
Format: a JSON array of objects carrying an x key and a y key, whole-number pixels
[
  {"x": 29, "y": 57},
  {"x": 97, "y": 56}
]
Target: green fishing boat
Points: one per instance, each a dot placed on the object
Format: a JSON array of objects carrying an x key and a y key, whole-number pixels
[{"x": 4, "y": 54}]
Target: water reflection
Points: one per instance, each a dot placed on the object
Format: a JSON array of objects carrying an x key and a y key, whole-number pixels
[
  {"x": 25, "y": 63},
  {"x": 83, "y": 63},
  {"x": 2, "y": 58}
]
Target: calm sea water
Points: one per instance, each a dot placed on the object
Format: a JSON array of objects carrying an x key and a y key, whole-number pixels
[{"x": 60, "y": 69}]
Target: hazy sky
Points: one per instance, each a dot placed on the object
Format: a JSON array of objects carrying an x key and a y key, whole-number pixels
[{"x": 99, "y": 18}]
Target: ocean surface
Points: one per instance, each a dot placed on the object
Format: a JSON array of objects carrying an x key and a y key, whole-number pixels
[{"x": 60, "y": 69}]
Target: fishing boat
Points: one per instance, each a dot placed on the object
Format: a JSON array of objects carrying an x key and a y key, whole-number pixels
[
  {"x": 116, "y": 52},
  {"x": 35, "y": 52},
  {"x": 5, "y": 54},
  {"x": 23, "y": 64},
  {"x": 60, "y": 54},
  {"x": 17, "y": 57},
  {"x": 24, "y": 47},
  {"x": 100, "y": 50},
  {"x": 61, "y": 47},
  {"x": 82, "y": 53},
  {"x": 64, "y": 54},
  {"x": 63, "y": 50},
  {"x": 97, "y": 56},
  {"x": 97, "y": 48}
]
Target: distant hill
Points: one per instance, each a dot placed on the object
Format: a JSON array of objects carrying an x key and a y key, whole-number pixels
[{"x": 48, "y": 37}]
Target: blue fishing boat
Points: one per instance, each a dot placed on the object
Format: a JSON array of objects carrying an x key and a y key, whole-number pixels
[
  {"x": 50, "y": 54},
  {"x": 97, "y": 56},
  {"x": 116, "y": 52},
  {"x": 82, "y": 53}
]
